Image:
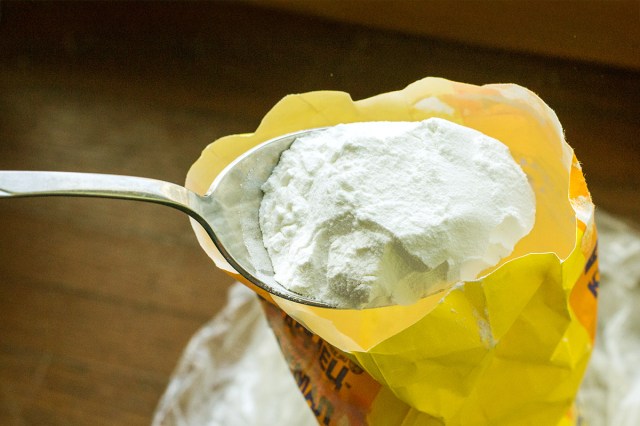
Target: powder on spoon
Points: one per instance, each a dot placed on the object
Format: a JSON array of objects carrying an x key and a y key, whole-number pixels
[{"x": 377, "y": 213}]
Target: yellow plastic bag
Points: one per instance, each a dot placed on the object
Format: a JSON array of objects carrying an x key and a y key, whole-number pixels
[{"x": 507, "y": 349}]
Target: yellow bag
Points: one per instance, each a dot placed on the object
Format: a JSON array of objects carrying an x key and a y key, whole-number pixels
[{"x": 507, "y": 349}]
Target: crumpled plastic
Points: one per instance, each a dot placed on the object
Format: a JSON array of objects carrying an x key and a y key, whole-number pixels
[
  {"x": 509, "y": 348},
  {"x": 232, "y": 372},
  {"x": 610, "y": 391}
]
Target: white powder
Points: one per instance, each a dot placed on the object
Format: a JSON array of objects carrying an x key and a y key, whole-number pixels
[{"x": 378, "y": 213}]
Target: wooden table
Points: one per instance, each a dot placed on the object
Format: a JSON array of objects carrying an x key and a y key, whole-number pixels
[{"x": 98, "y": 298}]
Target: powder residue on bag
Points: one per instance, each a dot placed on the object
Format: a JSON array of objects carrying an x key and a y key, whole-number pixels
[{"x": 377, "y": 213}]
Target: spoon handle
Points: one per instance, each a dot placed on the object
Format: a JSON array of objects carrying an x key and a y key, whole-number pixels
[{"x": 37, "y": 184}]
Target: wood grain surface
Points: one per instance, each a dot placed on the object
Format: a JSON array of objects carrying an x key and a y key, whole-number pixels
[
  {"x": 98, "y": 298},
  {"x": 600, "y": 31}
]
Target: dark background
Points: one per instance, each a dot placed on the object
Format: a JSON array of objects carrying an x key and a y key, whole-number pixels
[{"x": 98, "y": 298}]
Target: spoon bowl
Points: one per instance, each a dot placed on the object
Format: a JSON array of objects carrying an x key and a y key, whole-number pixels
[{"x": 228, "y": 212}]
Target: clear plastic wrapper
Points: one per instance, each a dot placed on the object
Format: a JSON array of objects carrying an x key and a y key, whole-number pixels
[
  {"x": 232, "y": 373},
  {"x": 610, "y": 391}
]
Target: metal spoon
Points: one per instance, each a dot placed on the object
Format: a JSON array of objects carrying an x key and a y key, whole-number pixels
[{"x": 228, "y": 212}]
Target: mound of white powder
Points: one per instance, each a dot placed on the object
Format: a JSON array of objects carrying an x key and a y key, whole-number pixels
[{"x": 378, "y": 213}]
